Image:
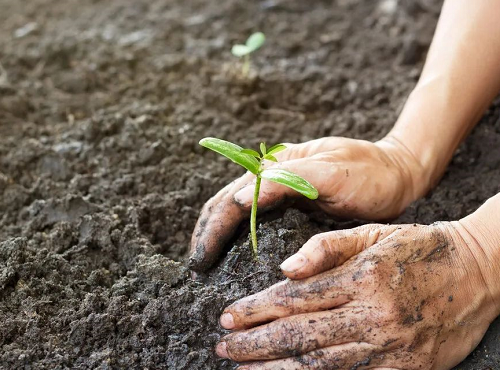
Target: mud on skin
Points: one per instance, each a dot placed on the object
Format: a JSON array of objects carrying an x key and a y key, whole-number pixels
[
  {"x": 326, "y": 327},
  {"x": 102, "y": 180}
]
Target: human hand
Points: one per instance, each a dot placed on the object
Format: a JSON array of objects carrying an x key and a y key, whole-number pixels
[
  {"x": 417, "y": 297},
  {"x": 355, "y": 178}
]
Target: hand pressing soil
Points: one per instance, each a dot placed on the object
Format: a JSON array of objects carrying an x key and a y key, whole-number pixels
[
  {"x": 418, "y": 297},
  {"x": 355, "y": 179}
]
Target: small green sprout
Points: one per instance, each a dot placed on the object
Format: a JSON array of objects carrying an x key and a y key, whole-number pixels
[
  {"x": 254, "y": 42},
  {"x": 253, "y": 162}
]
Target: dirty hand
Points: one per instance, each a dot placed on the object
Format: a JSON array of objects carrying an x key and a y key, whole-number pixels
[
  {"x": 355, "y": 178},
  {"x": 417, "y": 297}
]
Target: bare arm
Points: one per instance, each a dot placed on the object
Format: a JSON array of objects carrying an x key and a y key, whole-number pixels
[
  {"x": 377, "y": 181},
  {"x": 460, "y": 79},
  {"x": 408, "y": 296}
]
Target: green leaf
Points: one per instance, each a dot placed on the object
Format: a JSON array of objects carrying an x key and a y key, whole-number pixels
[
  {"x": 233, "y": 152},
  {"x": 276, "y": 149},
  {"x": 251, "y": 152},
  {"x": 263, "y": 148},
  {"x": 255, "y": 41},
  {"x": 270, "y": 157},
  {"x": 240, "y": 50},
  {"x": 291, "y": 180}
]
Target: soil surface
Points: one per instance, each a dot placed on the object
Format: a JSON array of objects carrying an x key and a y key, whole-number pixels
[{"x": 102, "y": 105}]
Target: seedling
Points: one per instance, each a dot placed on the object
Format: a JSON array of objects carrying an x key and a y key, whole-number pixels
[
  {"x": 254, "y": 162},
  {"x": 254, "y": 42}
]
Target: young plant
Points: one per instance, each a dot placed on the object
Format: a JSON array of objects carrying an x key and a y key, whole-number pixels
[
  {"x": 254, "y": 42},
  {"x": 254, "y": 162}
]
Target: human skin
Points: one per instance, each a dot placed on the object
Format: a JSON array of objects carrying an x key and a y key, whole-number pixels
[
  {"x": 399, "y": 297},
  {"x": 377, "y": 181},
  {"x": 408, "y": 297},
  {"x": 354, "y": 178}
]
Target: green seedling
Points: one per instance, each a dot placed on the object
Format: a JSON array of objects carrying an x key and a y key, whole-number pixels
[
  {"x": 254, "y": 162},
  {"x": 254, "y": 42}
]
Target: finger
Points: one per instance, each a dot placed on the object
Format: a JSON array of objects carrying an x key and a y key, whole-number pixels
[
  {"x": 319, "y": 173},
  {"x": 324, "y": 251},
  {"x": 297, "y": 335},
  {"x": 290, "y": 297},
  {"x": 345, "y": 356},
  {"x": 218, "y": 220},
  {"x": 224, "y": 212}
]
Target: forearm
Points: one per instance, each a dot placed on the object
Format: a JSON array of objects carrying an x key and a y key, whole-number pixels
[
  {"x": 460, "y": 79},
  {"x": 482, "y": 234}
]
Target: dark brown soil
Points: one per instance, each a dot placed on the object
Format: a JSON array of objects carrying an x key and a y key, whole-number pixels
[{"x": 101, "y": 178}]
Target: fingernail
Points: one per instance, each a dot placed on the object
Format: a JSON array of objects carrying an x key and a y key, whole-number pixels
[
  {"x": 294, "y": 263},
  {"x": 244, "y": 196},
  {"x": 227, "y": 321},
  {"x": 221, "y": 350}
]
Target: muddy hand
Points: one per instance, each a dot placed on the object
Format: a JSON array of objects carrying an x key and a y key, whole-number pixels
[
  {"x": 355, "y": 178},
  {"x": 417, "y": 297}
]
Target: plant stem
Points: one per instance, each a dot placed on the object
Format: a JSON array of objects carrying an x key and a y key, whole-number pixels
[
  {"x": 253, "y": 216},
  {"x": 246, "y": 65}
]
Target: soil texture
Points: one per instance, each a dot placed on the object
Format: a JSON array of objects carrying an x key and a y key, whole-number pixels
[{"x": 102, "y": 105}]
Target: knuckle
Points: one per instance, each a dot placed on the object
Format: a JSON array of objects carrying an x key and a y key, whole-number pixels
[
  {"x": 320, "y": 244},
  {"x": 368, "y": 272},
  {"x": 321, "y": 360},
  {"x": 284, "y": 296},
  {"x": 373, "y": 234},
  {"x": 235, "y": 345},
  {"x": 371, "y": 267},
  {"x": 288, "y": 336},
  {"x": 388, "y": 315},
  {"x": 208, "y": 206},
  {"x": 325, "y": 244}
]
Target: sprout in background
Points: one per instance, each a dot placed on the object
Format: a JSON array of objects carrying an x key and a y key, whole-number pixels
[{"x": 254, "y": 42}]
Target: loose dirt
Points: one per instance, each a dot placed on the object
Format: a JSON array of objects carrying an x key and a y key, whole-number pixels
[{"x": 102, "y": 105}]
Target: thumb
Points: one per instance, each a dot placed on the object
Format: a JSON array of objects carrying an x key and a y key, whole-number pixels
[
  {"x": 271, "y": 194},
  {"x": 327, "y": 250},
  {"x": 268, "y": 196}
]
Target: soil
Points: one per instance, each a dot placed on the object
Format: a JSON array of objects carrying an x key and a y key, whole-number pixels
[{"x": 102, "y": 105}]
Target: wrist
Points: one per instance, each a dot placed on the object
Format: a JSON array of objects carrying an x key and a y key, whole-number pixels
[
  {"x": 431, "y": 126},
  {"x": 481, "y": 231},
  {"x": 415, "y": 175}
]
